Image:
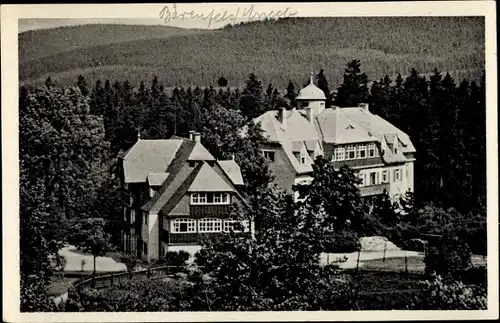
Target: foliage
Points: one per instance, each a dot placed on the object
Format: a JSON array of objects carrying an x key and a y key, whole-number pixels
[
  {"x": 448, "y": 256},
  {"x": 90, "y": 236},
  {"x": 354, "y": 89},
  {"x": 443, "y": 295},
  {"x": 175, "y": 258},
  {"x": 222, "y": 81},
  {"x": 137, "y": 295},
  {"x": 278, "y": 270},
  {"x": 333, "y": 195},
  {"x": 277, "y": 51},
  {"x": 129, "y": 260}
]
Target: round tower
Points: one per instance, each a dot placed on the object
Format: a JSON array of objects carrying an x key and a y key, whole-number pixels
[{"x": 311, "y": 97}]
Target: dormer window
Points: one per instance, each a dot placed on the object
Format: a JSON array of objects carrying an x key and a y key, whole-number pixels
[
  {"x": 372, "y": 150},
  {"x": 350, "y": 152},
  {"x": 361, "y": 152},
  {"x": 339, "y": 154},
  {"x": 269, "y": 155},
  {"x": 210, "y": 198}
]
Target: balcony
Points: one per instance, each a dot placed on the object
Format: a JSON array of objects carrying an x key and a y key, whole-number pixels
[
  {"x": 185, "y": 238},
  {"x": 374, "y": 189}
]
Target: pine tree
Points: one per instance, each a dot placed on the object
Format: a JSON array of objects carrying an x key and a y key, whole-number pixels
[
  {"x": 291, "y": 93},
  {"x": 323, "y": 85},
  {"x": 252, "y": 99},
  {"x": 82, "y": 85},
  {"x": 354, "y": 89}
]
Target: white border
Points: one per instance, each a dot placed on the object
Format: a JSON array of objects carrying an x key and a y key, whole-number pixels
[{"x": 10, "y": 198}]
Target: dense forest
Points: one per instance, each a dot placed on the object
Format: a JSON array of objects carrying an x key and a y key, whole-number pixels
[
  {"x": 276, "y": 51},
  {"x": 70, "y": 137}
]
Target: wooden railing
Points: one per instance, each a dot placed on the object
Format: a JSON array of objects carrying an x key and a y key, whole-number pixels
[{"x": 109, "y": 280}]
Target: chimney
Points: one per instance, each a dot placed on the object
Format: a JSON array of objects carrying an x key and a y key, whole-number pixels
[
  {"x": 283, "y": 117},
  {"x": 191, "y": 132},
  {"x": 197, "y": 136},
  {"x": 310, "y": 114},
  {"x": 364, "y": 106}
]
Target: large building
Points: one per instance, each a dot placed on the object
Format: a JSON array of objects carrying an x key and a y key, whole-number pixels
[
  {"x": 352, "y": 136},
  {"x": 178, "y": 193}
]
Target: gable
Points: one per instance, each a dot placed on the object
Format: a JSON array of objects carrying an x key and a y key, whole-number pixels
[
  {"x": 208, "y": 180},
  {"x": 200, "y": 153}
]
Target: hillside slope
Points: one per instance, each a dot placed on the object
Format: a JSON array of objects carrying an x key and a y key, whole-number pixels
[
  {"x": 47, "y": 42},
  {"x": 277, "y": 52}
]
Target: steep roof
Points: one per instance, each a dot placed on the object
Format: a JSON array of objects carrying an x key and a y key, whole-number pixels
[
  {"x": 148, "y": 156},
  {"x": 232, "y": 170},
  {"x": 378, "y": 126},
  {"x": 200, "y": 153},
  {"x": 156, "y": 179},
  {"x": 336, "y": 128},
  {"x": 207, "y": 180}
]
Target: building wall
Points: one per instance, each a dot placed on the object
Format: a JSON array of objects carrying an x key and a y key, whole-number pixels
[
  {"x": 153, "y": 236},
  {"x": 395, "y": 188},
  {"x": 282, "y": 169}
]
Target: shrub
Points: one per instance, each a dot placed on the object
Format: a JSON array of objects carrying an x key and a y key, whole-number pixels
[
  {"x": 452, "y": 295},
  {"x": 448, "y": 256},
  {"x": 343, "y": 241},
  {"x": 174, "y": 258}
]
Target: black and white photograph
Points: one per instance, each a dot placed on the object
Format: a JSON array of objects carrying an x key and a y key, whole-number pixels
[{"x": 250, "y": 158}]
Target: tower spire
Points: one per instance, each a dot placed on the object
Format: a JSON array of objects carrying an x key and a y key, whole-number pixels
[{"x": 312, "y": 77}]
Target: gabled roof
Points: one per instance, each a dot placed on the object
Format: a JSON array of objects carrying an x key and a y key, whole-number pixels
[
  {"x": 378, "y": 126},
  {"x": 232, "y": 170},
  {"x": 200, "y": 153},
  {"x": 208, "y": 180},
  {"x": 182, "y": 176},
  {"x": 156, "y": 179},
  {"x": 336, "y": 128},
  {"x": 148, "y": 156}
]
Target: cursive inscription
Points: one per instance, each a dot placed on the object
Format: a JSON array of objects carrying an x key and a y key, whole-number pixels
[{"x": 169, "y": 13}]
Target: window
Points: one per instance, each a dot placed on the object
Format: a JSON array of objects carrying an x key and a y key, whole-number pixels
[
  {"x": 373, "y": 178},
  {"x": 302, "y": 160},
  {"x": 132, "y": 216},
  {"x": 209, "y": 225},
  {"x": 385, "y": 176},
  {"x": 210, "y": 198},
  {"x": 269, "y": 155},
  {"x": 395, "y": 150},
  {"x": 372, "y": 150},
  {"x": 236, "y": 226},
  {"x": 361, "y": 151},
  {"x": 145, "y": 246},
  {"x": 362, "y": 177},
  {"x": 151, "y": 192},
  {"x": 397, "y": 175},
  {"x": 350, "y": 152},
  {"x": 183, "y": 225},
  {"x": 145, "y": 218},
  {"x": 339, "y": 153}
]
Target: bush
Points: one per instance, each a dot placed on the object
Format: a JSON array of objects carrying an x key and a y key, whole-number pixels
[
  {"x": 174, "y": 258},
  {"x": 452, "y": 295},
  {"x": 448, "y": 256},
  {"x": 342, "y": 242}
]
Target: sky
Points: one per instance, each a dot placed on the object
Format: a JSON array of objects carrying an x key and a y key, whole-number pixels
[{"x": 44, "y": 23}]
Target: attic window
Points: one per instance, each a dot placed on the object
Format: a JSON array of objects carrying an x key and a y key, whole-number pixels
[
  {"x": 303, "y": 160},
  {"x": 349, "y": 127}
]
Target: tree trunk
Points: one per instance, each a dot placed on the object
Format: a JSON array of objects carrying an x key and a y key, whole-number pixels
[{"x": 93, "y": 273}]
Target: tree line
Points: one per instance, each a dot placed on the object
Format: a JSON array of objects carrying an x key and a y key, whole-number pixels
[{"x": 70, "y": 137}]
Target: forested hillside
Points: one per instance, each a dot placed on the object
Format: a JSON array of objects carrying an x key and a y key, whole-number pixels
[
  {"x": 47, "y": 42},
  {"x": 277, "y": 51}
]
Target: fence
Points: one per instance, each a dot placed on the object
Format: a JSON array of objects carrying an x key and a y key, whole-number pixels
[{"x": 105, "y": 281}]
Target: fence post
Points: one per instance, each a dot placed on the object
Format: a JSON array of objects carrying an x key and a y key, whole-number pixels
[
  {"x": 357, "y": 262},
  {"x": 385, "y": 247},
  {"x": 406, "y": 262},
  {"x": 112, "y": 279},
  {"x": 149, "y": 272}
]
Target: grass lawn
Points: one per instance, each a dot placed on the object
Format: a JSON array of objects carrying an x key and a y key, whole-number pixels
[
  {"x": 60, "y": 286},
  {"x": 415, "y": 264}
]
